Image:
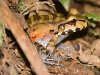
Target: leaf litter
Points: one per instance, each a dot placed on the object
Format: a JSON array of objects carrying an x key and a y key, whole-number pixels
[{"x": 75, "y": 62}]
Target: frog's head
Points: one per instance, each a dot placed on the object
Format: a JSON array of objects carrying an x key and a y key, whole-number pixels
[{"x": 74, "y": 23}]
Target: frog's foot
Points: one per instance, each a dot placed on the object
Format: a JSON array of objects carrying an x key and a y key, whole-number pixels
[
  {"x": 48, "y": 56},
  {"x": 57, "y": 54},
  {"x": 52, "y": 50},
  {"x": 46, "y": 53}
]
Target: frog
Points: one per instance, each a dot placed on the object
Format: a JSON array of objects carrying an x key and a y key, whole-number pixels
[{"x": 52, "y": 29}]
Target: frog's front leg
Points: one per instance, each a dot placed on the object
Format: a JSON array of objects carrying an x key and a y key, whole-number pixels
[{"x": 51, "y": 44}]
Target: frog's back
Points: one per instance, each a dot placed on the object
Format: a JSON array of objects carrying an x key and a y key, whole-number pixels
[{"x": 44, "y": 26}]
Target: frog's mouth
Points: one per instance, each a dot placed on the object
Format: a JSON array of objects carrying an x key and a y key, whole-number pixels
[{"x": 60, "y": 38}]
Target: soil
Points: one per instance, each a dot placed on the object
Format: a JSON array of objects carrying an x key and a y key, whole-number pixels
[{"x": 84, "y": 59}]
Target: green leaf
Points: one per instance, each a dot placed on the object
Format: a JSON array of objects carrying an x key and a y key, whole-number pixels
[
  {"x": 21, "y": 58},
  {"x": 93, "y": 32},
  {"x": 93, "y": 16},
  {"x": 92, "y": 24},
  {"x": 22, "y": 6}
]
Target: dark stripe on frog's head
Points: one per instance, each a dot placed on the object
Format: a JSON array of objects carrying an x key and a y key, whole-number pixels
[
  {"x": 56, "y": 33},
  {"x": 63, "y": 33},
  {"x": 77, "y": 29},
  {"x": 61, "y": 26},
  {"x": 68, "y": 32},
  {"x": 82, "y": 20}
]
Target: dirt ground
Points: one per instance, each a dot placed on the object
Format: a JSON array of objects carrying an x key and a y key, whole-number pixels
[{"x": 82, "y": 59}]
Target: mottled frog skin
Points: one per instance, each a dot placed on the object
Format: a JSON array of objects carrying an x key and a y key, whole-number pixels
[{"x": 52, "y": 29}]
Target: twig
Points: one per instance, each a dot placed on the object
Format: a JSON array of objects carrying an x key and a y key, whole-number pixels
[
  {"x": 7, "y": 18},
  {"x": 36, "y": 3}
]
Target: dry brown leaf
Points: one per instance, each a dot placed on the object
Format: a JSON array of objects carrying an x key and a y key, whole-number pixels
[
  {"x": 89, "y": 59},
  {"x": 95, "y": 48}
]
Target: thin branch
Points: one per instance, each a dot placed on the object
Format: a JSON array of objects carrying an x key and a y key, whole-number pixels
[
  {"x": 7, "y": 18},
  {"x": 35, "y": 4}
]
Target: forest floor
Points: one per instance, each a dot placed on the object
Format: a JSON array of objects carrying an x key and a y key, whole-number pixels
[{"x": 84, "y": 58}]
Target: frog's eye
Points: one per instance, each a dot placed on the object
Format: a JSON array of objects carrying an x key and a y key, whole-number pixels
[{"x": 73, "y": 21}]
